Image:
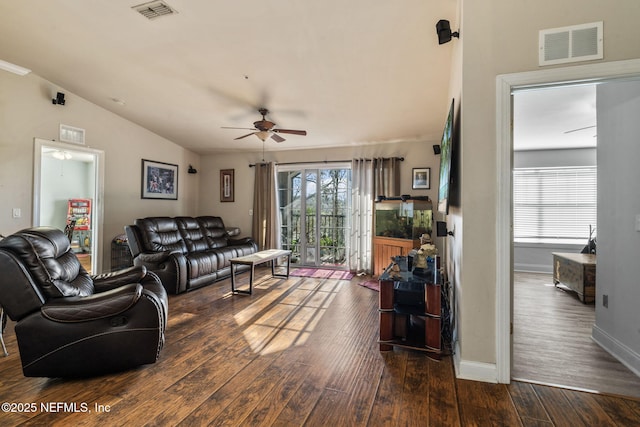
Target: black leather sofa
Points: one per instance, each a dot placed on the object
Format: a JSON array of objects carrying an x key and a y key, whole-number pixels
[
  {"x": 70, "y": 323},
  {"x": 186, "y": 252}
]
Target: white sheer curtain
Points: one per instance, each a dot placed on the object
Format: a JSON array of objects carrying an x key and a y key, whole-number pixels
[{"x": 360, "y": 254}]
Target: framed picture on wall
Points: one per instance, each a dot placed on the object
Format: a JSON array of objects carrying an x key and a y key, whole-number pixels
[
  {"x": 226, "y": 185},
  {"x": 159, "y": 180},
  {"x": 421, "y": 179}
]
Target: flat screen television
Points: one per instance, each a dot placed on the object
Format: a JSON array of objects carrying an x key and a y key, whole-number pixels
[{"x": 445, "y": 163}]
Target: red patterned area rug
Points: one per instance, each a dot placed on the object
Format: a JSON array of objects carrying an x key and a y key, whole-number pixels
[
  {"x": 371, "y": 284},
  {"x": 322, "y": 273}
]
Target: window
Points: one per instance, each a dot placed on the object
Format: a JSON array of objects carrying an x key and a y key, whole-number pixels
[{"x": 554, "y": 204}]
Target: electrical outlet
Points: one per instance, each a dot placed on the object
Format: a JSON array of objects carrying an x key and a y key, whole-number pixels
[
  {"x": 605, "y": 301},
  {"x": 17, "y": 212}
]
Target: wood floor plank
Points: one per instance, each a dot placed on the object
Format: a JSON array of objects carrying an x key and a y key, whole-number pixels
[
  {"x": 558, "y": 406},
  {"x": 486, "y": 404},
  {"x": 387, "y": 405},
  {"x": 621, "y": 412},
  {"x": 443, "y": 397},
  {"x": 588, "y": 409},
  {"x": 552, "y": 341},
  {"x": 527, "y": 403},
  {"x": 414, "y": 400}
]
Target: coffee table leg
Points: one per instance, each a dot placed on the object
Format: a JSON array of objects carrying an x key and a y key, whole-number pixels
[
  {"x": 233, "y": 278},
  {"x": 281, "y": 275},
  {"x": 288, "y": 263},
  {"x": 253, "y": 266}
]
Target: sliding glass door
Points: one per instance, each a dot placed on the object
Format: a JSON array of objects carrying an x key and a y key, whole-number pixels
[{"x": 314, "y": 208}]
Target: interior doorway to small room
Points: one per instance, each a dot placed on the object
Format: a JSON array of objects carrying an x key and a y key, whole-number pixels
[
  {"x": 68, "y": 194},
  {"x": 314, "y": 208},
  {"x": 554, "y": 199}
]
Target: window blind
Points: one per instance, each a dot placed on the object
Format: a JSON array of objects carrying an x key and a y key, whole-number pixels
[{"x": 554, "y": 203}]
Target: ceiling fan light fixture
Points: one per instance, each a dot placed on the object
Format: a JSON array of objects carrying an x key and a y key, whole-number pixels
[
  {"x": 265, "y": 129},
  {"x": 263, "y": 135}
]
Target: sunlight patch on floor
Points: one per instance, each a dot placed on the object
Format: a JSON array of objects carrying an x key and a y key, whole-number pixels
[{"x": 286, "y": 317}]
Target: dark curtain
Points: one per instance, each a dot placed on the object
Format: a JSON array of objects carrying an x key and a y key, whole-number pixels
[{"x": 265, "y": 218}]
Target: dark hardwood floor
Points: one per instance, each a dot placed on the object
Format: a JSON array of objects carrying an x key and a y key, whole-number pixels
[
  {"x": 299, "y": 351},
  {"x": 552, "y": 341}
]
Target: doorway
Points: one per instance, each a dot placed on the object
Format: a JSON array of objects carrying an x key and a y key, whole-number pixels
[
  {"x": 314, "y": 209},
  {"x": 68, "y": 193},
  {"x": 504, "y": 236}
]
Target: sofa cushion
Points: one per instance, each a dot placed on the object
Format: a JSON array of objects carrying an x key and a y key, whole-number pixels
[
  {"x": 214, "y": 231},
  {"x": 161, "y": 234},
  {"x": 192, "y": 234},
  {"x": 202, "y": 264},
  {"x": 48, "y": 255}
]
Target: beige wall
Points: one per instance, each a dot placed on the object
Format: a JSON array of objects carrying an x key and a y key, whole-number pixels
[
  {"x": 500, "y": 37},
  {"x": 26, "y": 112},
  {"x": 416, "y": 154}
]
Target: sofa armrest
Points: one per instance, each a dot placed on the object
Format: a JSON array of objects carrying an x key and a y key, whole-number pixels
[
  {"x": 170, "y": 266},
  {"x": 156, "y": 257},
  {"x": 106, "y": 281},
  {"x": 240, "y": 241},
  {"x": 96, "y": 306}
]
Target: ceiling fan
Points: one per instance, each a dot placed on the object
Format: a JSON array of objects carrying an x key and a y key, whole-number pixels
[{"x": 264, "y": 129}]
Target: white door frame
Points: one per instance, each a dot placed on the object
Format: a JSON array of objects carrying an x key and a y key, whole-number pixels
[
  {"x": 98, "y": 205},
  {"x": 504, "y": 234}
]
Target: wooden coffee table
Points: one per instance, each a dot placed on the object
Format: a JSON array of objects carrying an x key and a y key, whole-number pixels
[{"x": 256, "y": 259}]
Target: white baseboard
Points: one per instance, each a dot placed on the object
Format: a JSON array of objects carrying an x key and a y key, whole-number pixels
[
  {"x": 533, "y": 268},
  {"x": 475, "y": 371},
  {"x": 624, "y": 354}
]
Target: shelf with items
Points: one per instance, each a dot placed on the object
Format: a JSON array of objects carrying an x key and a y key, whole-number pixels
[
  {"x": 78, "y": 224},
  {"x": 411, "y": 311}
]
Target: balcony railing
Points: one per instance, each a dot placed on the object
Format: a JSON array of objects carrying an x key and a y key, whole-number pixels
[{"x": 332, "y": 235}]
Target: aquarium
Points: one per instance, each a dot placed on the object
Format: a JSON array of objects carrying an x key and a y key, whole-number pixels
[{"x": 403, "y": 219}]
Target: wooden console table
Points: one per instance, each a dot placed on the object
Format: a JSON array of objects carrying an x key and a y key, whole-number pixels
[
  {"x": 255, "y": 259},
  {"x": 577, "y": 272}
]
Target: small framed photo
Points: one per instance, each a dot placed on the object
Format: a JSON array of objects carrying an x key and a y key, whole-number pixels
[
  {"x": 421, "y": 179},
  {"x": 226, "y": 185},
  {"x": 159, "y": 180}
]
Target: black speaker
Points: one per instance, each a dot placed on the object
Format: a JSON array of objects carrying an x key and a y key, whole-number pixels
[
  {"x": 59, "y": 99},
  {"x": 436, "y": 149},
  {"x": 441, "y": 228},
  {"x": 443, "y": 28}
]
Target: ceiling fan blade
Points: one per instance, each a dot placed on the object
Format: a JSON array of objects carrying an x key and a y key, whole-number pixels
[
  {"x": 227, "y": 127},
  {"x": 292, "y": 131},
  {"x": 244, "y": 136},
  {"x": 578, "y": 129},
  {"x": 277, "y": 138}
]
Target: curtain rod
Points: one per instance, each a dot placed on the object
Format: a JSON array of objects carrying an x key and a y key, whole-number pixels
[{"x": 323, "y": 161}]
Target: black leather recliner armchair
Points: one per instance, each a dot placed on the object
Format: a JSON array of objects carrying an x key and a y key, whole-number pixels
[{"x": 72, "y": 324}]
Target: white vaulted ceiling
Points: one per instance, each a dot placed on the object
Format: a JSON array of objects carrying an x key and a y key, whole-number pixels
[{"x": 349, "y": 72}]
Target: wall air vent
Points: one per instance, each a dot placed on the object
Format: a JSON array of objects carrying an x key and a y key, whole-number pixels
[
  {"x": 71, "y": 134},
  {"x": 571, "y": 44},
  {"x": 154, "y": 9}
]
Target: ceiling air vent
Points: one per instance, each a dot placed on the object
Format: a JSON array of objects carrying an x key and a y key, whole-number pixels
[
  {"x": 154, "y": 9},
  {"x": 571, "y": 44}
]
